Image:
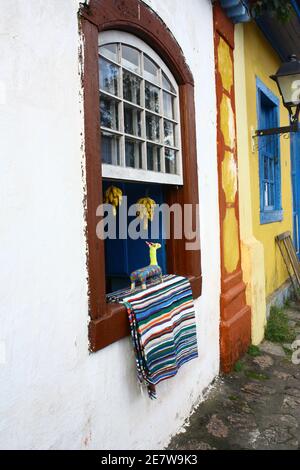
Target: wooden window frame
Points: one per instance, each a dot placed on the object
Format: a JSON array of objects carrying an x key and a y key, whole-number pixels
[{"x": 108, "y": 322}]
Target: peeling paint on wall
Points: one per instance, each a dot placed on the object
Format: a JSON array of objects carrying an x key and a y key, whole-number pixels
[
  {"x": 231, "y": 240},
  {"x": 227, "y": 122},
  {"x": 225, "y": 64},
  {"x": 229, "y": 176}
]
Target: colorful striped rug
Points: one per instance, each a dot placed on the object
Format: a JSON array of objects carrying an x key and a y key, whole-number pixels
[{"x": 163, "y": 329}]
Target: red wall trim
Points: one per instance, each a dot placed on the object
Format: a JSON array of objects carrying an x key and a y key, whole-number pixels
[{"x": 235, "y": 324}]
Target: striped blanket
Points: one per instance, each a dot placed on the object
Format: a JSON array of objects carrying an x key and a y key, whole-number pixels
[{"x": 163, "y": 330}]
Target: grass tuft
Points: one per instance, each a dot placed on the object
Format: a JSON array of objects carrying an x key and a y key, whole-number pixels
[
  {"x": 288, "y": 351},
  {"x": 238, "y": 366},
  {"x": 254, "y": 351},
  {"x": 255, "y": 375},
  {"x": 233, "y": 397},
  {"x": 277, "y": 329}
]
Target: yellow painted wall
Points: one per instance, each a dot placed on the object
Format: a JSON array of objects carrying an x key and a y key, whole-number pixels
[
  {"x": 231, "y": 247},
  {"x": 252, "y": 250},
  {"x": 261, "y": 61}
]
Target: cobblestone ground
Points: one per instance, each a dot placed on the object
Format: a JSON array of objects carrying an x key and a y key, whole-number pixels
[{"x": 255, "y": 408}]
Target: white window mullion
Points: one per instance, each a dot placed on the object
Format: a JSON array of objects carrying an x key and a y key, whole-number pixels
[
  {"x": 121, "y": 113},
  {"x": 122, "y": 151},
  {"x": 161, "y": 151},
  {"x": 143, "y": 116},
  {"x": 177, "y": 136}
]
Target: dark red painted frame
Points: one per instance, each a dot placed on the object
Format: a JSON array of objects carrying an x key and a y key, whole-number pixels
[
  {"x": 108, "y": 322},
  {"x": 235, "y": 314}
]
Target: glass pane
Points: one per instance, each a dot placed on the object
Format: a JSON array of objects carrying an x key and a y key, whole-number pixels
[
  {"x": 131, "y": 87},
  {"x": 167, "y": 85},
  {"x": 169, "y": 133},
  {"x": 150, "y": 70},
  {"x": 108, "y": 77},
  {"x": 110, "y": 151},
  {"x": 170, "y": 161},
  {"x": 266, "y": 197},
  {"x": 131, "y": 58},
  {"x": 132, "y": 120},
  {"x": 133, "y": 153},
  {"x": 109, "y": 116},
  {"x": 152, "y": 97},
  {"x": 152, "y": 127},
  {"x": 168, "y": 105},
  {"x": 109, "y": 51},
  {"x": 153, "y": 157}
]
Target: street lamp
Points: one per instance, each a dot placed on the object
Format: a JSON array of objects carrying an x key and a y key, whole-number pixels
[
  {"x": 288, "y": 82},
  {"x": 287, "y": 78}
]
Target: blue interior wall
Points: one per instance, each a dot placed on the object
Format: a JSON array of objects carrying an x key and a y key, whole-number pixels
[{"x": 124, "y": 256}]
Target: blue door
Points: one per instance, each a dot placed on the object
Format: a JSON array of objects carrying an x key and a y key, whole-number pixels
[
  {"x": 124, "y": 256},
  {"x": 295, "y": 168}
]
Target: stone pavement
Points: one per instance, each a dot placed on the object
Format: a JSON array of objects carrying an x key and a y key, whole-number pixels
[{"x": 257, "y": 407}]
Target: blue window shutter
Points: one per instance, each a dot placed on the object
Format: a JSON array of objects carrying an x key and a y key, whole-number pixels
[{"x": 269, "y": 155}]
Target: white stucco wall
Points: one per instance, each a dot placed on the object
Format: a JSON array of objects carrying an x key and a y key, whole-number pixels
[{"x": 53, "y": 393}]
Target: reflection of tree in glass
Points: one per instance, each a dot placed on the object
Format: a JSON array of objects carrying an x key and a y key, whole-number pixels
[
  {"x": 128, "y": 121},
  {"x": 129, "y": 150},
  {"x": 153, "y": 127},
  {"x": 170, "y": 161},
  {"x": 132, "y": 120},
  {"x": 139, "y": 128},
  {"x": 110, "y": 80},
  {"x": 131, "y": 88},
  {"x": 169, "y": 133},
  {"x": 106, "y": 114},
  {"x": 151, "y": 98}
]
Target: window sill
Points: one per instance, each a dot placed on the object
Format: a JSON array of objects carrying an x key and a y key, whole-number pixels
[
  {"x": 268, "y": 217},
  {"x": 113, "y": 325}
]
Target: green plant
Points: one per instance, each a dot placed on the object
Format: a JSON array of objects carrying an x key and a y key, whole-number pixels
[
  {"x": 233, "y": 397},
  {"x": 277, "y": 329},
  {"x": 238, "y": 366},
  {"x": 281, "y": 9},
  {"x": 288, "y": 352},
  {"x": 253, "y": 350},
  {"x": 255, "y": 375}
]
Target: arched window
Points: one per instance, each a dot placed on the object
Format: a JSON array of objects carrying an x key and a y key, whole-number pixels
[
  {"x": 140, "y": 139},
  {"x": 139, "y": 109}
]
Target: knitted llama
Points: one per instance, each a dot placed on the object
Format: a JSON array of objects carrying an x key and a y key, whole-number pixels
[{"x": 152, "y": 270}]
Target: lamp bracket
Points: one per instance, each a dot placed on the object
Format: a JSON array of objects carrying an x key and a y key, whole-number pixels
[{"x": 277, "y": 130}]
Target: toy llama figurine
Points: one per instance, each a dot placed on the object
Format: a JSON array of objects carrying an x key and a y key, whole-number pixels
[{"x": 152, "y": 270}]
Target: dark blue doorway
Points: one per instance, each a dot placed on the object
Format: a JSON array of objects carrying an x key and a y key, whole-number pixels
[{"x": 124, "y": 256}]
